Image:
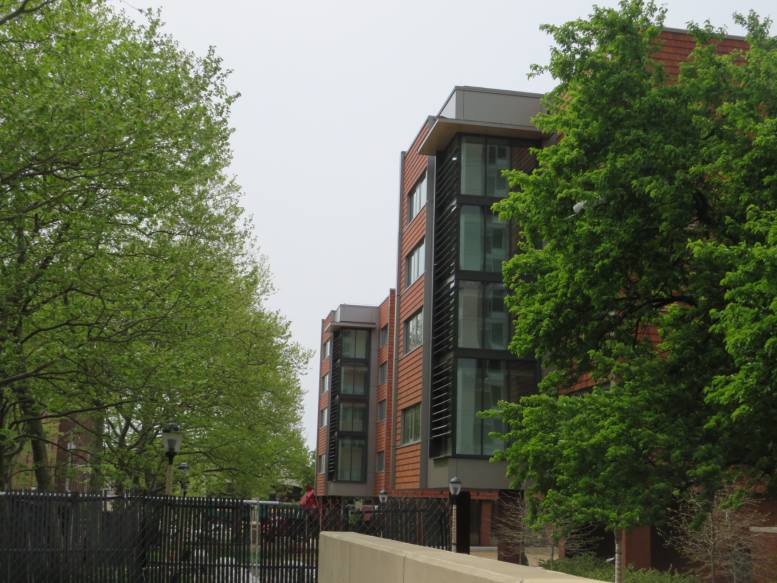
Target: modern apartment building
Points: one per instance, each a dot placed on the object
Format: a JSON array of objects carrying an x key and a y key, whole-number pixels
[{"x": 401, "y": 383}]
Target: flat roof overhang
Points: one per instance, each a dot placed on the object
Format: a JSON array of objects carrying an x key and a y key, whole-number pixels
[
  {"x": 444, "y": 129},
  {"x": 332, "y": 326}
]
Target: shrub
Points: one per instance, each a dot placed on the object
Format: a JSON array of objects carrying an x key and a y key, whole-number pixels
[{"x": 592, "y": 567}]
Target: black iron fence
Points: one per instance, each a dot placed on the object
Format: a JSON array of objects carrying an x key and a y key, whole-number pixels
[
  {"x": 72, "y": 538},
  {"x": 85, "y": 538},
  {"x": 419, "y": 521}
]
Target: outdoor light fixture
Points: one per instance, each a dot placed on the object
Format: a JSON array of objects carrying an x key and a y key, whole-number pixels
[
  {"x": 383, "y": 496},
  {"x": 183, "y": 468},
  {"x": 455, "y": 487},
  {"x": 172, "y": 436}
]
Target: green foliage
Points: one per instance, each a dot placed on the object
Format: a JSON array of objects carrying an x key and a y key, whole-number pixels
[
  {"x": 677, "y": 240},
  {"x": 591, "y": 567},
  {"x": 131, "y": 293}
]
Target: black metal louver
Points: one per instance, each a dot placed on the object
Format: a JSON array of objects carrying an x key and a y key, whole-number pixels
[
  {"x": 448, "y": 183},
  {"x": 334, "y": 406}
]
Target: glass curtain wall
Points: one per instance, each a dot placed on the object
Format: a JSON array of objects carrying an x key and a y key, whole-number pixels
[
  {"x": 482, "y": 370},
  {"x": 480, "y": 385},
  {"x": 352, "y": 406},
  {"x": 485, "y": 241},
  {"x": 484, "y": 321}
]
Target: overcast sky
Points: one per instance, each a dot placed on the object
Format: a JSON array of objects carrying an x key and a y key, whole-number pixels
[{"x": 332, "y": 92}]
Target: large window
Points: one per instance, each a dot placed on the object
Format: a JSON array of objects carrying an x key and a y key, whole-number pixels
[
  {"x": 382, "y": 410},
  {"x": 414, "y": 264},
  {"x": 414, "y": 332},
  {"x": 480, "y": 385},
  {"x": 351, "y": 459},
  {"x": 380, "y": 462},
  {"x": 353, "y": 417},
  {"x": 325, "y": 383},
  {"x": 484, "y": 241},
  {"x": 411, "y": 424},
  {"x": 354, "y": 379},
  {"x": 416, "y": 199},
  {"x": 355, "y": 343},
  {"x": 482, "y": 162},
  {"x": 483, "y": 321},
  {"x": 384, "y": 336}
]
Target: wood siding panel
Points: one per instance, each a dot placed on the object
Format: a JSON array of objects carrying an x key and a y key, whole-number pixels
[
  {"x": 408, "y": 471},
  {"x": 414, "y": 166}
]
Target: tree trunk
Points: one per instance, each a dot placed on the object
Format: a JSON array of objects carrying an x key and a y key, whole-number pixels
[
  {"x": 40, "y": 454},
  {"x": 618, "y": 556},
  {"x": 96, "y": 480}
]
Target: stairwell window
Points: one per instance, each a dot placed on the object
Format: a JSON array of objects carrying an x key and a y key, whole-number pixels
[
  {"x": 411, "y": 424},
  {"x": 414, "y": 264},
  {"x": 325, "y": 383},
  {"x": 383, "y": 373},
  {"x": 380, "y": 462},
  {"x": 323, "y": 418},
  {"x": 322, "y": 463},
  {"x": 416, "y": 199},
  {"x": 384, "y": 336},
  {"x": 326, "y": 350},
  {"x": 414, "y": 332},
  {"x": 382, "y": 410}
]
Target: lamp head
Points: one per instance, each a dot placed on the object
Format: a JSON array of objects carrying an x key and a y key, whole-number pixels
[
  {"x": 455, "y": 487},
  {"x": 183, "y": 468},
  {"x": 172, "y": 437},
  {"x": 383, "y": 496}
]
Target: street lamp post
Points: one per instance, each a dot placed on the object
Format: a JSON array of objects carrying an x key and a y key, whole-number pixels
[
  {"x": 172, "y": 436},
  {"x": 383, "y": 497},
  {"x": 455, "y": 487},
  {"x": 184, "y": 469}
]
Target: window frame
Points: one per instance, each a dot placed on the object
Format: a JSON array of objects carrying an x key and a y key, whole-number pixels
[
  {"x": 380, "y": 456},
  {"x": 418, "y": 319},
  {"x": 413, "y": 415},
  {"x": 364, "y": 456},
  {"x": 415, "y": 263},
  {"x": 325, "y": 383},
  {"x": 382, "y": 405},
  {"x": 414, "y": 203},
  {"x": 323, "y": 414},
  {"x": 361, "y": 404},
  {"x": 321, "y": 464},
  {"x": 383, "y": 337},
  {"x": 327, "y": 349},
  {"x": 383, "y": 373}
]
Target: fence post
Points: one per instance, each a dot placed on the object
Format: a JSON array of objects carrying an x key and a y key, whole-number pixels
[{"x": 462, "y": 522}]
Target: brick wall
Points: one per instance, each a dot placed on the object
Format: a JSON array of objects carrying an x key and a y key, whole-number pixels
[
  {"x": 385, "y": 392},
  {"x": 409, "y": 368},
  {"x": 323, "y": 403}
]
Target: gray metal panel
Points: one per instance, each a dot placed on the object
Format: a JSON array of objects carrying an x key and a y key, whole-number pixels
[
  {"x": 357, "y": 314},
  {"x": 449, "y": 109},
  {"x": 426, "y": 359},
  {"x": 500, "y": 108},
  {"x": 474, "y": 473},
  {"x": 393, "y": 437}
]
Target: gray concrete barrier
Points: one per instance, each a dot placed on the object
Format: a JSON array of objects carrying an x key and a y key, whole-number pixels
[{"x": 347, "y": 557}]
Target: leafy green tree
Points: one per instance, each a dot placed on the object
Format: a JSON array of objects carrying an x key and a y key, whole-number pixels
[
  {"x": 652, "y": 216},
  {"x": 130, "y": 294}
]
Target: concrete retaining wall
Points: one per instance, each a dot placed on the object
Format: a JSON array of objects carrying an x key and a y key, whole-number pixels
[{"x": 346, "y": 557}]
